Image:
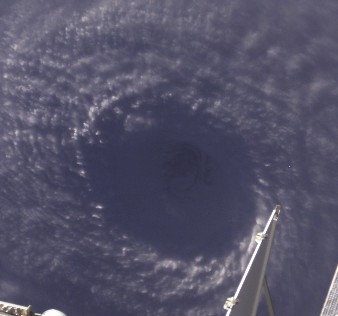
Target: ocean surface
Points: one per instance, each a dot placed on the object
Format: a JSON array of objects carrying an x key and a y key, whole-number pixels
[{"x": 144, "y": 143}]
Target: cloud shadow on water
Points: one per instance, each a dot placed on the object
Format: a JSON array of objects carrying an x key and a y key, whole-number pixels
[{"x": 171, "y": 177}]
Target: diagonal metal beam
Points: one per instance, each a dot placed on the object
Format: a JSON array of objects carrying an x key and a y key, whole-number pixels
[
  {"x": 246, "y": 299},
  {"x": 268, "y": 299}
]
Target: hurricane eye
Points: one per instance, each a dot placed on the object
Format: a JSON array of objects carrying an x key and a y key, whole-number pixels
[{"x": 182, "y": 166}]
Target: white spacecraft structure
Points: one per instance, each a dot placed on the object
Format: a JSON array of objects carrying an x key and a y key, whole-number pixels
[
  {"x": 330, "y": 307},
  {"x": 246, "y": 299},
  {"x": 9, "y": 309}
]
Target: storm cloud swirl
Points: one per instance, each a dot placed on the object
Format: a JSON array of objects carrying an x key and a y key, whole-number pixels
[{"x": 144, "y": 143}]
